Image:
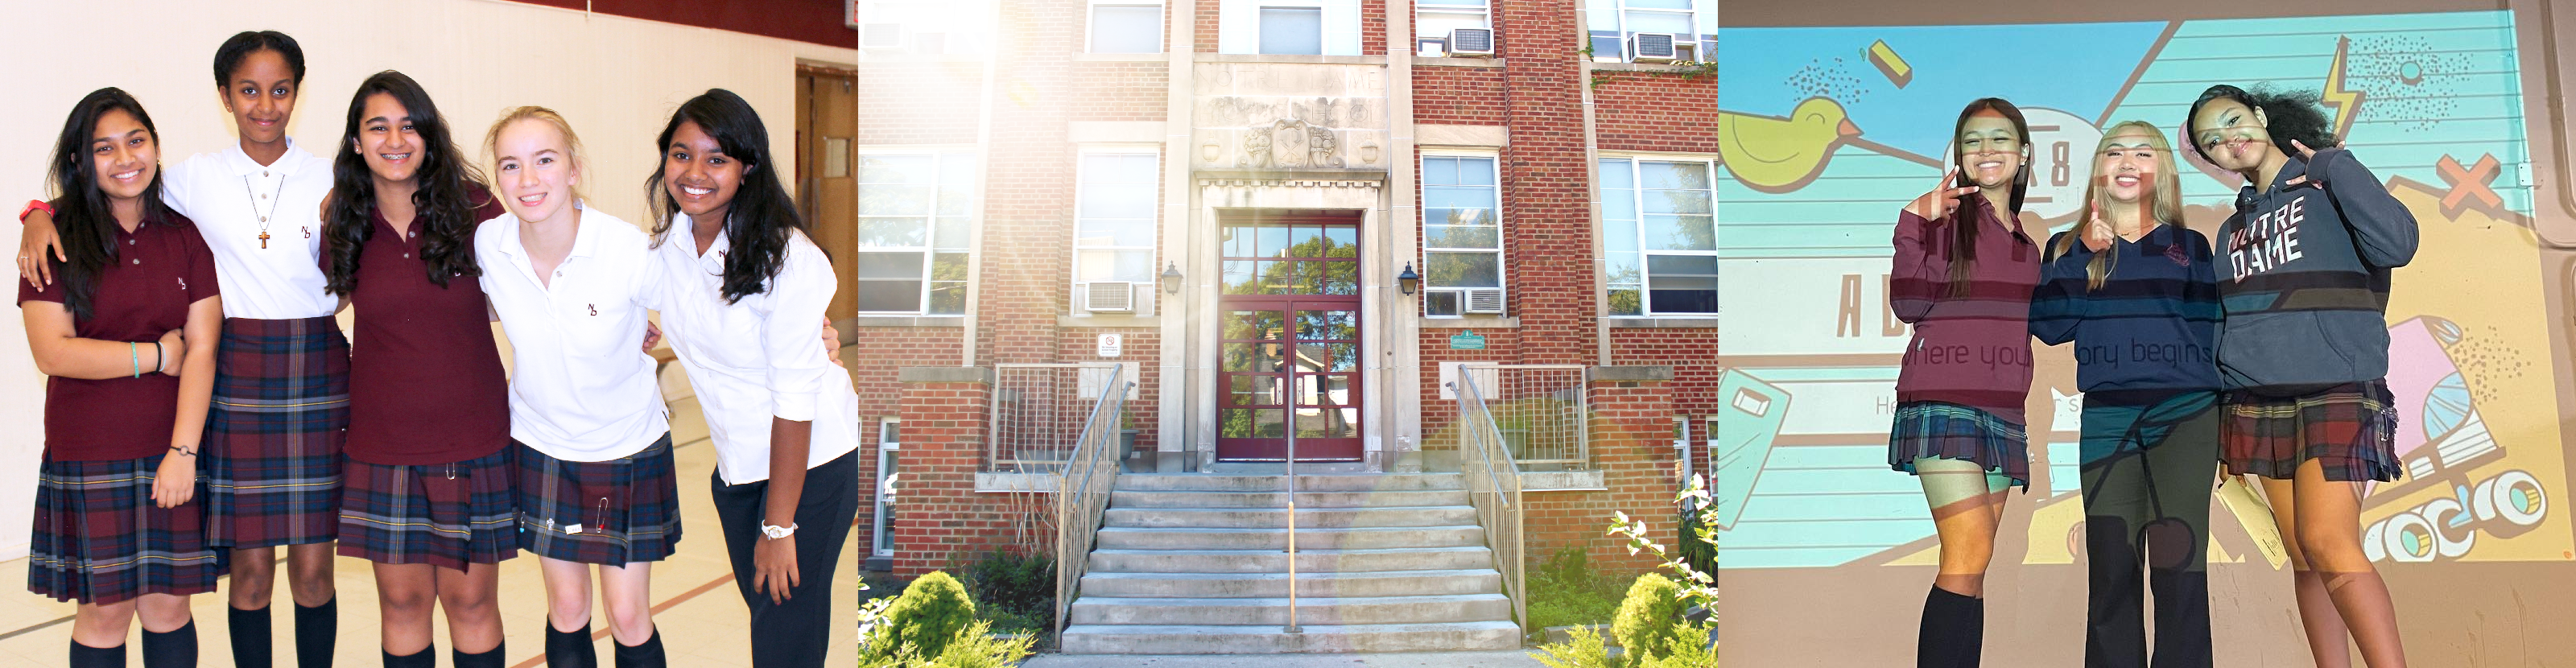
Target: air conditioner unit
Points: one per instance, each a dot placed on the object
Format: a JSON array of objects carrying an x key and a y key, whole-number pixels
[
  {"x": 1485, "y": 301},
  {"x": 1651, "y": 47},
  {"x": 1430, "y": 47},
  {"x": 1109, "y": 297},
  {"x": 881, "y": 36},
  {"x": 1471, "y": 42}
]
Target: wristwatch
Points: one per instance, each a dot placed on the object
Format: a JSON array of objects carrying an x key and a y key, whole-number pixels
[{"x": 777, "y": 532}]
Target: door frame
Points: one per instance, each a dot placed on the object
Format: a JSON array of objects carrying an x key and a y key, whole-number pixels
[{"x": 1290, "y": 305}]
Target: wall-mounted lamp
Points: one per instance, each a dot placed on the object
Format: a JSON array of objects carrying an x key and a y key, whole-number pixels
[
  {"x": 1170, "y": 278},
  {"x": 1408, "y": 281}
]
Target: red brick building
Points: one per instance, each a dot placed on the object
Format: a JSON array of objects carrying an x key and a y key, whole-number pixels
[{"x": 1234, "y": 192}]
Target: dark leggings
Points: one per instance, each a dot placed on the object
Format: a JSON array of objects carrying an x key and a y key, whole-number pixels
[{"x": 2148, "y": 465}]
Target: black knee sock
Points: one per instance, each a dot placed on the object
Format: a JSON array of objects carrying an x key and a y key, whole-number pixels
[
  {"x": 427, "y": 657},
  {"x": 647, "y": 654},
  {"x": 249, "y": 630},
  {"x": 1952, "y": 632},
  {"x": 570, "y": 649},
  {"x": 317, "y": 631},
  {"x": 490, "y": 658},
  {"x": 84, "y": 656},
  {"x": 1972, "y": 647},
  {"x": 176, "y": 648}
]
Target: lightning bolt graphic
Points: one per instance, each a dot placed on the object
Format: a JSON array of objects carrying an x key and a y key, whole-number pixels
[{"x": 2346, "y": 103}]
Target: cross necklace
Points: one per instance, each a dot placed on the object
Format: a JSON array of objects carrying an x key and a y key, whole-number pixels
[{"x": 272, "y": 206}]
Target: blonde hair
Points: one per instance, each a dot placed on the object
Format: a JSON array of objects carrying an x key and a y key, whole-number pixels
[
  {"x": 2165, "y": 197},
  {"x": 572, "y": 142}
]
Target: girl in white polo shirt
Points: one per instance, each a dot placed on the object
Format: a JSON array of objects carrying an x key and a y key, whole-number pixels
[
  {"x": 570, "y": 286},
  {"x": 744, "y": 285}
]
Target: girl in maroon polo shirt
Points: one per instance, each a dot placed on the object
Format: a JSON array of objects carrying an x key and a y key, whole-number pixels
[
  {"x": 118, "y": 526},
  {"x": 427, "y": 495},
  {"x": 1964, "y": 271}
]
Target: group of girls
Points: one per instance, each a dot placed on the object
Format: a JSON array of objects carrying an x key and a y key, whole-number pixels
[
  {"x": 256, "y": 425},
  {"x": 2269, "y": 360}
]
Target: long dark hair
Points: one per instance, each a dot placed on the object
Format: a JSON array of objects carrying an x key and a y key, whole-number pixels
[
  {"x": 762, "y": 220},
  {"x": 443, "y": 203},
  {"x": 1963, "y": 220},
  {"x": 2288, "y": 115},
  {"x": 83, "y": 214}
]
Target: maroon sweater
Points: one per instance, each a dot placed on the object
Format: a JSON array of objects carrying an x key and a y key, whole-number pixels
[{"x": 1973, "y": 349}]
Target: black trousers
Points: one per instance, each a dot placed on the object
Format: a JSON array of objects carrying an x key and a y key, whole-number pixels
[
  {"x": 2147, "y": 467},
  {"x": 798, "y": 633}
]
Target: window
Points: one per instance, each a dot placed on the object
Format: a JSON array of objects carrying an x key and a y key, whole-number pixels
[
  {"x": 1660, "y": 229},
  {"x": 1462, "y": 241},
  {"x": 1126, "y": 27},
  {"x": 1435, "y": 18},
  {"x": 1614, "y": 21},
  {"x": 1113, "y": 237},
  {"x": 889, "y": 449},
  {"x": 1292, "y": 30},
  {"x": 915, "y": 212}
]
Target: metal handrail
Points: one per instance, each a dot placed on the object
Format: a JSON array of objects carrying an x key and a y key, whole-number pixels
[
  {"x": 1493, "y": 484},
  {"x": 1511, "y": 389},
  {"x": 1082, "y": 492}
]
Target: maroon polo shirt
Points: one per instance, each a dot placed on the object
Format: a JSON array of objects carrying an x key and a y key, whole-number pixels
[
  {"x": 425, "y": 380},
  {"x": 157, "y": 271}
]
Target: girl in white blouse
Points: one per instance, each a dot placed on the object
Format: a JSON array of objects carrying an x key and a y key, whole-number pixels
[
  {"x": 743, "y": 286},
  {"x": 596, "y": 484}
]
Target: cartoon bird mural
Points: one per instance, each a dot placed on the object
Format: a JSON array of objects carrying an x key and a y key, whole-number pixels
[{"x": 1781, "y": 154}]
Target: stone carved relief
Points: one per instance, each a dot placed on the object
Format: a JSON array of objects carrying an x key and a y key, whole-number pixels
[
  {"x": 1347, "y": 112},
  {"x": 1289, "y": 144}
]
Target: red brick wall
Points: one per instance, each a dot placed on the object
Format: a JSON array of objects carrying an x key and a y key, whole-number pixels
[
  {"x": 879, "y": 351},
  {"x": 1120, "y": 91},
  {"x": 1438, "y": 414},
  {"x": 1546, "y": 186},
  {"x": 1631, "y": 435},
  {"x": 1373, "y": 35},
  {"x": 1655, "y": 111},
  {"x": 1029, "y": 188},
  {"x": 1204, "y": 27},
  {"x": 937, "y": 510},
  {"x": 1140, "y": 346},
  {"x": 1460, "y": 96},
  {"x": 1690, "y": 352},
  {"x": 918, "y": 102}
]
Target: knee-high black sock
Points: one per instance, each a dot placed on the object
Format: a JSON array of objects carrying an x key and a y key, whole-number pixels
[
  {"x": 1972, "y": 646},
  {"x": 84, "y": 656},
  {"x": 490, "y": 658},
  {"x": 427, "y": 657},
  {"x": 317, "y": 632},
  {"x": 249, "y": 629},
  {"x": 570, "y": 649},
  {"x": 175, "y": 648},
  {"x": 647, "y": 654},
  {"x": 1952, "y": 631}
]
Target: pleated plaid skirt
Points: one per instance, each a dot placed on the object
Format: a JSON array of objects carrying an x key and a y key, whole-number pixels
[
  {"x": 1927, "y": 429},
  {"x": 99, "y": 539},
  {"x": 447, "y": 515},
  {"x": 2350, "y": 430},
  {"x": 614, "y": 512},
  {"x": 281, "y": 410}
]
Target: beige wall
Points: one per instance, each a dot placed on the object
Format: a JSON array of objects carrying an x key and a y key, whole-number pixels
[{"x": 617, "y": 79}]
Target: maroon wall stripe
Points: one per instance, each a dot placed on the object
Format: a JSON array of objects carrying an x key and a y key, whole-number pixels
[{"x": 816, "y": 21}]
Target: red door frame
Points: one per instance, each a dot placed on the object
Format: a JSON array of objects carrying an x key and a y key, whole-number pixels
[{"x": 1290, "y": 373}]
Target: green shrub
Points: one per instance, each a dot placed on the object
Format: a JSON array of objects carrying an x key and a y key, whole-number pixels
[
  {"x": 930, "y": 614},
  {"x": 1584, "y": 650},
  {"x": 976, "y": 648},
  {"x": 1022, "y": 585},
  {"x": 1565, "y": 591},
  {"x": 1650, "y": 616},
  {"x": 1687, "y": 648}
]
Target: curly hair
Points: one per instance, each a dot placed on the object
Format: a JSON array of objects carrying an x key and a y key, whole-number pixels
[
  {"x": 449, "y": 186},
  {"x": 2289, "y": 115}
]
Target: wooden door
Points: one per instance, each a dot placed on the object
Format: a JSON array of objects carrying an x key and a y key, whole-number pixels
[{"x": 827, "y": 192}]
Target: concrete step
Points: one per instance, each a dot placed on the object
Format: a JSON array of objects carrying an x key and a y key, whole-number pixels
[
  {"x": 1269, "y": 639},
  {"x": 1194, "y": 499},
  {"x": 1275, "y": 585},
  {"x": 1135, "y": 538},
  {"x": 1200, "y": 482},
  {"x": 1274, "y": 561},
  {"x": 1321, "y": 518},
  {"x": 1310, "y": 610}
]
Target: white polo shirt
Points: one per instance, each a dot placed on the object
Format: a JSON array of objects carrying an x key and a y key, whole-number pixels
[
  {"x": 581, "y": 387},
  {"x": 228, "y": 194},
  {"x": 757, "y": 358}
]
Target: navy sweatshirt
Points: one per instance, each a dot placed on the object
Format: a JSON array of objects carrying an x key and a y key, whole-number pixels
[
  {"x": 2304, "y": 278},
  {"x": 2151, "y": 327}
]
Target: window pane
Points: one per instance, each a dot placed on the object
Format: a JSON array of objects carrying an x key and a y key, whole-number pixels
[
  {"x": 949, "y": 233},
  {"x": 1253, "y": 357},
  {"x": 1328, "y": 423},
  {"x": 1292, "y": 31},
  {"x": 948, "y": 267},
  {"x": 893, "y": 200},
  {"x": 1625, "y": 302},
  {"x": 1333, "y": 278},
  {"x": 1253, "y": 390},
  {"x": 1684, "y": 301},
  {"x": 1442, "y": 302},
  {"x": 1126, "y": 29},
  {"x": 893, "y": 232},
  {"x": 1273, "y": 241},
  {"x": 1463, "y": 270},
  {"x": 1249, "y": 423},
  {"x": 1346, "y": 240},
  {"x": 1683, "y": 175},
  {"x": 1263, "y": 324},
  {"x": 1671, "y": 22},
  {"x": 1242, "y": 278},
  {"x": 1114, "y": 233},
  {"x": 1618, "y": 236},
  {"x": 1620, "y": 268},
  {"x": 894, "y": 169},
  {"x": 1677, "y": 201},
  {"x": 957, "y": 170},
  {"x": 889, "y": 265},
  {"x": 1680, "y": 233},
  {"x": 1328, "y": 325},
  {"x": 1681, "y": 265},
  {"x": 1460, "y": 236},
  {"x": 1452, "y": 3},
  {"x": 1660, "y": 4},
  {"x": 1474, "y": 216},
  {"x": 896, "y": 296},
  {"x": 1429, "y": 23},
  {"x": 1107, "y": 200},
  {"x": 1448, "y": 197},
  {"x": 947, "y": 298},
  {"x": 1306, "y": 241},
  {"x": 1476, "y": 171},
  {"x": 1238, "y": 242},
  {"x": 1615, "y": 175},
  {"x": 1126, "y": 265},
  {"x": 1328, "y": 357},
  {"x": 1439, "y": 171}
]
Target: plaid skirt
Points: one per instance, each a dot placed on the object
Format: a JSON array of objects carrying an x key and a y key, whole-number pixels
[
  {"x": 2350, "y": 430},
  {"x": 1926, "y": 430},
  {"x": 447, "y": 515},
  {"x": 281, "y": 409},
  {"x": 99, "y": 539},
  {"x": 615, "y": 512}
]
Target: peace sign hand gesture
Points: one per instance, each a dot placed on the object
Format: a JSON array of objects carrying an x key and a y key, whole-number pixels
[{"x": 1943, "y": 198}]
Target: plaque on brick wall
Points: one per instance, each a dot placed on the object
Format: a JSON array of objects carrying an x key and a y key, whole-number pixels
[
  {"x": 1468, "y": 340},
  {"x": 1109, "y": 345}
]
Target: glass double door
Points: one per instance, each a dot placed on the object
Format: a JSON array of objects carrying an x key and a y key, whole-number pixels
[{"x": 1289, "y": 367}]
